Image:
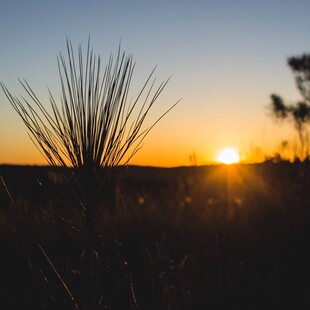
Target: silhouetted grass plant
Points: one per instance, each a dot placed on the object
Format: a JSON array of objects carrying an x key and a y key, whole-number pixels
[{"x": 94, "y": 128}]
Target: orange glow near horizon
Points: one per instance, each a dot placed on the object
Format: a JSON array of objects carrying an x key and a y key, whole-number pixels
[{"x": 156, "y": 151}]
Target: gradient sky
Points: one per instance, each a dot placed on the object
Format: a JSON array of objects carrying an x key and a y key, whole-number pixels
[{"x": 225, "y": 59}]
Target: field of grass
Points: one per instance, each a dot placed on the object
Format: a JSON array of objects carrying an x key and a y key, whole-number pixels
[{"x": 210, "y": 237}]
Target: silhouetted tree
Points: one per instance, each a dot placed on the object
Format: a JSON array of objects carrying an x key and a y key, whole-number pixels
[
  {"x": 298, "y": 113},
  {"x": 93, "y": 128}
]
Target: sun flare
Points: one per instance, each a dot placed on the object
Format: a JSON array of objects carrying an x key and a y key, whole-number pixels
[{"x": 228, "y": 156}]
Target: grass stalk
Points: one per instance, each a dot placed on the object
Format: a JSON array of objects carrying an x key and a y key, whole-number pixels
[{"x": 94, "y": 127}]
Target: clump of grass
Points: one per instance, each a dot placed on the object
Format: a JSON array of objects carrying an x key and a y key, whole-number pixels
[{"x": 93, "y": 129}]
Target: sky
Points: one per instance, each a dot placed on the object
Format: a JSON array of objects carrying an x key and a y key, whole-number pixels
[{"x": 224, "y": 57}]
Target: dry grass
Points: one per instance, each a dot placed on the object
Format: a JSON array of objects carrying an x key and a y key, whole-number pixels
[{"x": 94, "y": 128}]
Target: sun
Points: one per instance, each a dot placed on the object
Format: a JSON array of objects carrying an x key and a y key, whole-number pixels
[{"x": 228, "y": 156}]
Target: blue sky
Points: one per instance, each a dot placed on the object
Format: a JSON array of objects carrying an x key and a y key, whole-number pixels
[{"x": 225, "y": 59}]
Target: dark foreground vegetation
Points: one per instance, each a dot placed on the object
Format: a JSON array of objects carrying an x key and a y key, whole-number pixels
[{"x": 214, "y": 237}]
